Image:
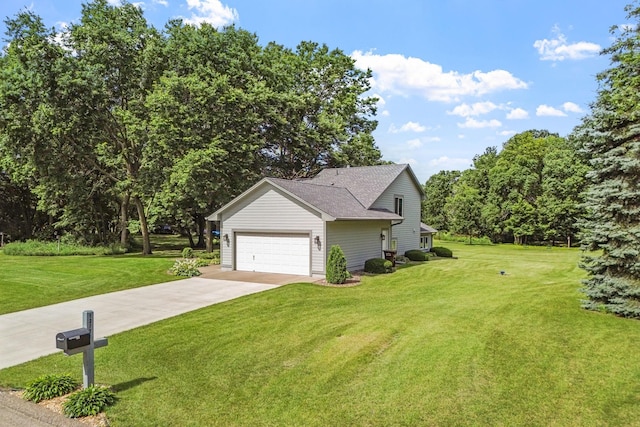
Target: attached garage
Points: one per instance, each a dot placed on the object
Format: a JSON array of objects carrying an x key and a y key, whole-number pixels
[{"x": 286, "y": 253}]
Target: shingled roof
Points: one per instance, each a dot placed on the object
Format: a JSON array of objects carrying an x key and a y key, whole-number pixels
[
  {"x": 344, "y": 193},
  {"x": 337, "y": 202},
  {"x": 366, "y": 183}
]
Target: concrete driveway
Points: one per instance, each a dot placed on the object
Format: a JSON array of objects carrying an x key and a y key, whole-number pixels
[{"x": 29, "y": 334}]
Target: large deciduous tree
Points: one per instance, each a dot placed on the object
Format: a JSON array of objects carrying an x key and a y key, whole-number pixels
[
  {"x": 437, "y": 189},
  {"x": 318, "y": 115},
  {"x": 611, "y": 138}
]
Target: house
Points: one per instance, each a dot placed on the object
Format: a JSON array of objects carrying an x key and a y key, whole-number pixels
[
  {"x": 426, "y": 236},
  {"x": 288, "y": 226}
]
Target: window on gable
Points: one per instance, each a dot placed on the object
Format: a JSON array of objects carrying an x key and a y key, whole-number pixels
[{"x": 398, "y": 208}]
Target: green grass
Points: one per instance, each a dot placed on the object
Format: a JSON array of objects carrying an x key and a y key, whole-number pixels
[
  {"x": 447, "y": 342},
  {"x": 34, "y": 281},
  {"x": 28, "y": 282}
]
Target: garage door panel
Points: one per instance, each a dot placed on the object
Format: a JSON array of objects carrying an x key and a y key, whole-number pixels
[{"x": 273, "y": 253}]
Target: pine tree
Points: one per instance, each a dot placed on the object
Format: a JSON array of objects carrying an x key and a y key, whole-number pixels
[{"x": 610, "y": 137}]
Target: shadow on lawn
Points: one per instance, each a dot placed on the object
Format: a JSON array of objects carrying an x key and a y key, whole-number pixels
[{"x": 130, "y": 384}]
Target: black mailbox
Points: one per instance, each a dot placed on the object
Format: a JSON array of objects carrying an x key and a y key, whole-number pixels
[{"x": 73, "y": 340}]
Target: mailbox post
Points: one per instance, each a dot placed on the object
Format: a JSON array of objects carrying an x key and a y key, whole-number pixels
[{"x": 81, "y": 341}]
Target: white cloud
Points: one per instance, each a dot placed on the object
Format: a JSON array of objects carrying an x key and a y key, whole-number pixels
[
  {"x": 406, "y": 160},
  {"x": 380, "y": 103},
  {"x": 164, "y": 3},
  {"x": 570, "y": 107},
  {"x": 548, "y": 111},
  {"x": 507, "y": 132},
  {"x": 476, "y": 109},
  {"x": 558, "y": 49},
  {"x": 395, "y": 73},
  {"x": 517, "y": 114},
  {"x": 414, "y": 143},
  {"x": 408, "y": 127},
  {"x": 479, "y": 124},
  {"x": 211, "y": 12},
  {"x": 448, "y": 163}
]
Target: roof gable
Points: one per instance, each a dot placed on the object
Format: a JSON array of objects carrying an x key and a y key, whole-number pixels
[
  {"x": 344, "y": 193},
  {"x": 366, "y": 183}
]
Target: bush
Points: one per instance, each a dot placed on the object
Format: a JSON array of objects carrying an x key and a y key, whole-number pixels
[
  {"x": 88, "y": 401},
  {"x": 378, "y": 266},
  {"x": 49, "y": 386},
  {"x": 417, "y": 255},
  {"x": 187, "y": 267},
  {"x": 442, "y": 252},
  {"x": 336, "y": 266},
  {"x": 187, "y": 253}
]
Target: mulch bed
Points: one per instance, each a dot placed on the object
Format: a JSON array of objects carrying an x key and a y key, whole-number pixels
[{"x": 354, "y": 280}]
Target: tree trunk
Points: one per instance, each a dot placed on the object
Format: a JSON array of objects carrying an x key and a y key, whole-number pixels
[
  {"x": 200, "y": 225},
  {"x": 144, "y": 228},
  {"x": 124, "y": 219},
  {"x": 208, "y": 238}
]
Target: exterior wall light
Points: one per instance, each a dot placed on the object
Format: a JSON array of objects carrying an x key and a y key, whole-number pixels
[
  {"x": 226, "y": 237},
  {"x": 317, "y": 240},
  {"x": 382, "y": 236}
]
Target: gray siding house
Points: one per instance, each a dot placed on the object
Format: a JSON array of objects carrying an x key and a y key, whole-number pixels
[{"x": 288, "y": 226}]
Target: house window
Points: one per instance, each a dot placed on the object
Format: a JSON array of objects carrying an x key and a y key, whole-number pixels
[
  {"x": 398, "y": 208},
  {"x": 423, "y": 242}
]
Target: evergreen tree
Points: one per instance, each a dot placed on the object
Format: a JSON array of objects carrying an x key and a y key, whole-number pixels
[
  {"x": 610, "y": 137},
  {"x": 336, "y": 266}
]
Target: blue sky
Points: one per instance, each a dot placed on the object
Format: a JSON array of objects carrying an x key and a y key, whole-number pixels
[{"x": 453, "y": 76}]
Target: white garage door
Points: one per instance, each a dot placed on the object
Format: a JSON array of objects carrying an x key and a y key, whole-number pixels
[{"x": 273, "y": 253}]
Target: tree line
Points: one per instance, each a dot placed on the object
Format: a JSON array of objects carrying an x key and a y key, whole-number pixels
[
  {"x": 528, "y": 192},
  {"x": 112, "y": 126}
]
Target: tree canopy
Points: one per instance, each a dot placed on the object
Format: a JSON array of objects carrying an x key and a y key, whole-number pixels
[
  {"x": 112, "y": 118},
  {"x": 528, "y": 192}
]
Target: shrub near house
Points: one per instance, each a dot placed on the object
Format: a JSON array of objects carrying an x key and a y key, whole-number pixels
[{"x": 336, "y": 266}]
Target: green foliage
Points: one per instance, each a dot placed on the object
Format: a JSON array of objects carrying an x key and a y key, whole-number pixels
[
  {"x": 417, "y": 255},
  {"x": 450, "y": 237},
  {"x": 40, "y": 248},
  {"x": 378, "y": 266},
  {"x": 186, "y": 267},
  {"x": 442, "y": 251},
  {"x": 187, "y": 253},
  {"x": 438, "y": 189},
  {"x": 88, "y": 401},
  {"x": 336, "y": 266},
  {"x": 203, "y": 262},
  {"x": 610, "y": 137},
  {"x": 49, "y": 386}
]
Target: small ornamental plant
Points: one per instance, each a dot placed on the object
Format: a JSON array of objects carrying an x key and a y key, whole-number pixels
[
  {"x": 336, "y": 266},
  {"x": 47, "y": 387},
  {"x": 378, "y": 266},
  {"x": 442, "y": 252},
  {"x": 187, "y": 253},
  {"x": 88, "y": 401},
  {"x": 186, "y": 267},
  {"x": 417, "y": 255}
]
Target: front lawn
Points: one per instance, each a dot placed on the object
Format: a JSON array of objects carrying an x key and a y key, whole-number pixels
[
  {"x": 34, "y": 281},
  {"x": 448, "y": 342}
]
